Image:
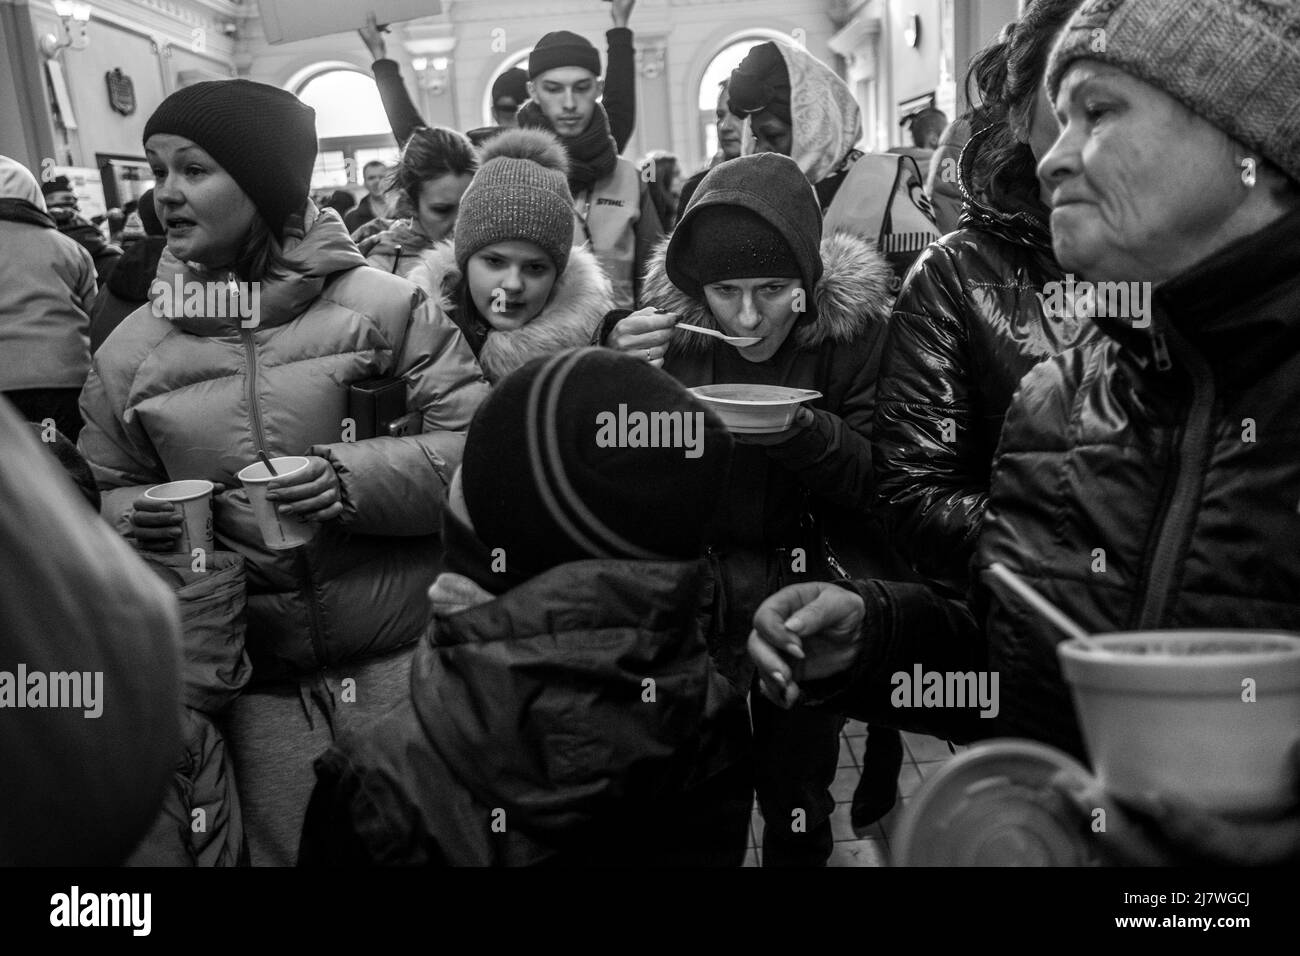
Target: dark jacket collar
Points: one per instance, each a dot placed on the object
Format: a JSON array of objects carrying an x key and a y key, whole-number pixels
[
  {"x": 1223, "y": 290},
  {"x": 1008, "y": 211}
]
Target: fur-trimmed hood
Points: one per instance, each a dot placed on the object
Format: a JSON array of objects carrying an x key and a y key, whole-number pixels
[
  {"x": 579, "y": 301},
  {"x": 852, "y": 295}
]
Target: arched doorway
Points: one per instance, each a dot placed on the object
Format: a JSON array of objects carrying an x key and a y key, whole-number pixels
[{"x": 351, "y": 125}]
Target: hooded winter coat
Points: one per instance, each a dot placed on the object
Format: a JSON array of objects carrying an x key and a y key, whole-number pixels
[
  {"x": 967, "y": 326},
  {"x": 528, "y": 738},
  {"x": 127, "y": 287},
  {"x": 813, "y": 492},
  {"x": 826, "y": 122},
  {"x": 579, "y": 300},
  {"x": 1170, "y": 452},
  {"x": 49, "y": 289},
  {"x": 197, "y": 396}
]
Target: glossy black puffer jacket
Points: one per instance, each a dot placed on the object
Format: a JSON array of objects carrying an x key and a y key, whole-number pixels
[
  {"x": 1172, "y": 453},
  {"x": 967, "y": 325}
]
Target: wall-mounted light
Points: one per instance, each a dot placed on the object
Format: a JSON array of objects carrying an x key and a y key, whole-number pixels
[
  {"x": 75, "y": 16},
  {"x": 431, "y": 73}
]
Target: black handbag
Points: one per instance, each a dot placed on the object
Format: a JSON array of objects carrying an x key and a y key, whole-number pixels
[{"x": 378, "y": 406}]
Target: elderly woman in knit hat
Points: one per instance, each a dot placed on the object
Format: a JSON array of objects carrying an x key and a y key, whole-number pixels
[
  {"x": 511, "y": 279},
  {"x": 748, "y": 259},
  {"x": 1171, "y": 448},
  {"x": 197, "y": 384}
]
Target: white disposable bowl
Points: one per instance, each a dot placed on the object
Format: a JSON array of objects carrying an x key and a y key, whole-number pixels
[
  {"x": 754, "y": 409},
  {"x": 1207, "y": 715}
]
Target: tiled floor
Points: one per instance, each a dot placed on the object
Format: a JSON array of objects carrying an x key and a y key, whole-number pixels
[{"x": 921, "y": 757}]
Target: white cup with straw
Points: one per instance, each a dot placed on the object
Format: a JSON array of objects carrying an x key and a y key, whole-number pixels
[
  {"x": 280, "y": 532},
  {"x": 1208, "y": 715},
  {"x": 193, "y": 499}
]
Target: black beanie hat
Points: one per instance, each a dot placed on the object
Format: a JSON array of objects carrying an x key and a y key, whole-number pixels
[
  {"x": 511, "y": 85},
  {"x": 263, "y": 136},
  {"x": 732, "y": 242},
  {"x": 761, "y": 82},
  {"x": 589, "y": 485},
  {"x": 59, "y": 184},
  {"x": 760, "y": 199},
  {"x": 562, "y": 48}
]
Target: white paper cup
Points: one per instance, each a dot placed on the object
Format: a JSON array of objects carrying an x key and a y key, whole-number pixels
[
  {"x": 1206, "y": 715},
  {"x": 280, "y": 532},
  {"x": 193, "y": 498}
]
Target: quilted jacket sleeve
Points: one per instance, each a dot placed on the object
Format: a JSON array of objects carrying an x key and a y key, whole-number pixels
[
  {"x": 397, "y": 486},
  {"x": 114, "y": 444},
  {"x": 931, "y": 476}
]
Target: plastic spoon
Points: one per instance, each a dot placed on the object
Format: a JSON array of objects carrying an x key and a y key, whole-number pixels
[
  {"x": 737, "y": 340},
  {"x": 1041, "y": 604}
]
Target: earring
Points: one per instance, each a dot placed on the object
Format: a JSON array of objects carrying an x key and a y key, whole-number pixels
[{"x": 1248, "y": 171}]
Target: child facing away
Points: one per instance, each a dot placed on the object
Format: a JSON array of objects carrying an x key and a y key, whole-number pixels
[{"x": 563, "y": 709}]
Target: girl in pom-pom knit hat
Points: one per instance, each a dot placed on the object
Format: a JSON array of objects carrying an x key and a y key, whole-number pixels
[
  {"x": 262, "y": 314},
  {"x": 511, "y": 278}
]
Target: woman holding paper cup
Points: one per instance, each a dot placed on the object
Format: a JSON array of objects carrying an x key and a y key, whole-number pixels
[
  {"x": 747, "y": 259},
  {"x": 263, "y": 313},
  {"x": 1149, "y": 482}
]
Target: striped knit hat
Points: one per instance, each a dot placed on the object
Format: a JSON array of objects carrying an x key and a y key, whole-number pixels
[
  {"x": 263, "y": 136},
  {"x": 1236, "y": 63},
  {"x": 619, "y": 461},
  {"x": 520, "y": 192}
]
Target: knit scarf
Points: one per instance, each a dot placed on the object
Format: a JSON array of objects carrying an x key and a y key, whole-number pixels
[{"x": 592, "y": 153}]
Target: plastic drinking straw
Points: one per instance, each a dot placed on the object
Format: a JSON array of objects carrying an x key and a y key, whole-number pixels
[{"x": 1040, "y": 604}]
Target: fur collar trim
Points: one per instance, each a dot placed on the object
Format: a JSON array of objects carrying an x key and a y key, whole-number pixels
[
  {"x": 853, "y": 294},
  {"x": 579, "y": 301}
]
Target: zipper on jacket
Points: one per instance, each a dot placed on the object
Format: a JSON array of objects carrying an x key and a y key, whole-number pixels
[
  {"x": 1160, "y": 349},
  {"x": 259, "y": 434},
  {"x": 254, "y": 410},
  {"x": 1176, "y": 523}
]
